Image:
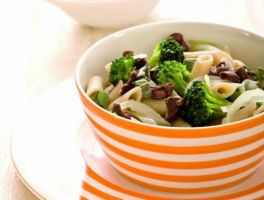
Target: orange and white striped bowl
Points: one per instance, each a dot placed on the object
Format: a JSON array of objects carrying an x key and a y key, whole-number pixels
[
  {"x": 101, "y": 181},
  {"x": 182, "y": 160}
]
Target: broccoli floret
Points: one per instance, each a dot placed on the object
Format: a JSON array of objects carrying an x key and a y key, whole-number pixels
[
  {"x": 201, "y": 105},
  {"x": 173, "y": 72},
  {"x": 167, "y": 49},
  {"x": 121, "y": 69}
]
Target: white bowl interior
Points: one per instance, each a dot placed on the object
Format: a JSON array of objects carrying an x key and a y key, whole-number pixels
[{"x": 243, "y": 45}]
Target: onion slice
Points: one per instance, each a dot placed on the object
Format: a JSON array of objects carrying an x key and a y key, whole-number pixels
[
  {"x": 144, "y": 111},
  {"x": 244, "y": 106}
]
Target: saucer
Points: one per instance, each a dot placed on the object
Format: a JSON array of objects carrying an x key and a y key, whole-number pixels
[{"x": 44, "y": 146}]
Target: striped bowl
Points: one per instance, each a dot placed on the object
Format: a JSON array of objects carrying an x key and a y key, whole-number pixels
[{"x": 182, "y": 160}]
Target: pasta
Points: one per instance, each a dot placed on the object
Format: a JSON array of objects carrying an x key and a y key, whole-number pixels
[
  {"x": 224, "y": 90},
  {"x": 202, "y": 66},
  {"x": 135, "y": 94},
  {"x": 219, "y": 55},
  {"x": 108, "y": 68},
  {"x": 238, "y": 64},
  {"x": 115, "y": 93},
  {"x": 179, "y": 88},
  {"x": 95, "y": 84}
]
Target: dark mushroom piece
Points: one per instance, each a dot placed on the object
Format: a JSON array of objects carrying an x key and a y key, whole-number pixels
[
  {"x": 153, "y": 72},
  {"x": 130, "y": 83},
  {"x": 173, "y": 104},
  {"x": 179, "y": 38},
  {"x": 242, "y": 73},
  {"x": 230, "y": 76},
  {"x": 117, "y": 109},
  {"x": 161, "y": 91},
  {"x": 140, "y": 62},
  {"x": 222, "y": 66},
  {"x": 128, "y": 53}
]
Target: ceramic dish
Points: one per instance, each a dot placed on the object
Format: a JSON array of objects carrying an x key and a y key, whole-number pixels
[
  {"x": 44, "y": 148},
  {"x": 106, "y": 13},
  {"x": 185, "y": 160}
]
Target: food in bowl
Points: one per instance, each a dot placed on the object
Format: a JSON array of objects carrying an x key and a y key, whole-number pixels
[
  {"x": 180, "y": 85},
  {"x": 174, "y": 159}
]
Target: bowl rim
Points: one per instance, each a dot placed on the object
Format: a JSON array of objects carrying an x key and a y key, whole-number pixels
[{"x": 82, "y": 59}]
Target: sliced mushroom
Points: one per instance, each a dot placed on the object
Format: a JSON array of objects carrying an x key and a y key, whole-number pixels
[
  {"x": 130, "y": 83},
  {"x": 173, "y": 105},
  {"x": 161, "y": 91}
]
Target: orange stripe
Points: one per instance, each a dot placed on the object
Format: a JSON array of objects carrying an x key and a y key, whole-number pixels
[
  {"x": 107, "y": 183},
  {"x": 180, "y": 165},
  {"x": 170, "y": 132},
  {"x": 98, "y": 193},
  {"x": 177, "y": 149},
  {"x": 197, "y": 178},
  {"x": 188, "y": 190},
  {"x": 260, "y": 198},
  {"x": 83, "y": 198}
]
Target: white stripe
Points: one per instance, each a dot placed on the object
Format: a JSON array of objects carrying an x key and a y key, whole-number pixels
[
  {"x": 183, "y": 172},
  {"x": 177, "y": 141},
  {"x": 89, "y": 195},
  {"x": 108, "y": 190},
  {"x": 254, "y": 195},
  {"x": 184, "y": 185},
  {"x": 180, "y": 157}
]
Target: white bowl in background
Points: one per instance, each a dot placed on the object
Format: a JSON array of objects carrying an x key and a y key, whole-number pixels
[{"x": 106, "y": 13}]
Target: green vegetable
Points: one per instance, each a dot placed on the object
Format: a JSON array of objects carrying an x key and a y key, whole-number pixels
[
  {"x": 260, "y": 74},
  {"x": 173, "y": 72},
  {"x": 258, "y": 104},
  {"x": 102, "y": 99},
  {"x": 144, "y": 84},
  {"x": 189, "y": 64},
  {"x": 121, "y": 69},
  {"x": 257, "y": 76},
  {"x": 260, "y": 77},
  {"x": 236, "y": 94},
  {"x": 201, "y": 105},
  {"x": 167, "y": 49},
  {"x": 199, "y": 45}
]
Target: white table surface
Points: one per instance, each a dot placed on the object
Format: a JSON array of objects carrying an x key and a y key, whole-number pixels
[{"x": 40, "y": 45}]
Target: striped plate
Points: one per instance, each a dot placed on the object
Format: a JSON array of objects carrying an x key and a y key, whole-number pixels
[{"x": 102, "y": 181}]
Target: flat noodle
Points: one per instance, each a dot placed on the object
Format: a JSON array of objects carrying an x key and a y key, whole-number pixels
[
  {"x": 95, "y": 84},
  {"x": 135, "y": 94},
  {"x": 201, "y": 66},
  {"x": 115, "y": 93}
]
